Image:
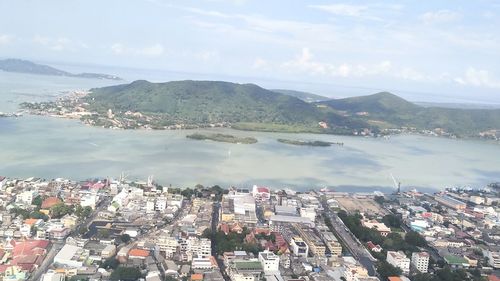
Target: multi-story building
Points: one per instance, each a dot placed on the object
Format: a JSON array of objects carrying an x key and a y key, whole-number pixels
[
  {"x": 299, "y": 247},
  {"x": 399, "y": 259},
  {"x": 245, "y": 270},
  {"x": 269, "y": 261},
  {"x": 420, "y": 261},
  {"x": 493, "y": 259},
  {"x": 450, "y": 202},
  {"x": 168, "y": 245},
  {"x": 316, "y": 246},
  {"x": 200, "y": 247}
]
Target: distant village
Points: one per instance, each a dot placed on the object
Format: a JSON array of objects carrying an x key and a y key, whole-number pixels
[{"x": 105, "y": 229}]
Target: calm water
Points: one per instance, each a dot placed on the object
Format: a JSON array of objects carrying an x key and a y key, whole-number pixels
[{"x": 51, "y": 147}]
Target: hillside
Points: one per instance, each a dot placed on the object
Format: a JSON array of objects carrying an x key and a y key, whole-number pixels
[
  {"x": 392, "y": 111},
  {"x": 24, "y": 66},
  {"x": 305, "y": 96},
  {"x": 247, "y": 106}
]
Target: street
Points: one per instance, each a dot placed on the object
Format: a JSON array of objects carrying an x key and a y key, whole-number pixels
[{"x": 358, "y": 251}]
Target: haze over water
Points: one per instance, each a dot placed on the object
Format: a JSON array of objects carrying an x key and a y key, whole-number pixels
[{"x": 51, "y": 147}]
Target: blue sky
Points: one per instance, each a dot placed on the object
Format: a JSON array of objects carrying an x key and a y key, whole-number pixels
[{"x": 424, "y": 50}]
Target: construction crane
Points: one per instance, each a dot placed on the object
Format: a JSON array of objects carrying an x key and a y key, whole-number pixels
[{"x": 397, "y": 184}]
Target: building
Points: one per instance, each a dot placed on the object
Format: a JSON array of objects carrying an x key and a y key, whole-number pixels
[
  {"x": 493, "y": 259},
  {"x": 245, "y": 270},
  {"x": 168, "y": 245},
  {"x": 380, "y": 227},
  {"x": 316, "y": 245},
  {"x": 71, "y": 256},
  {"x": 53, "y": 276},
  {"x": 399, "y": 259},
  {"x": 269, "y": 261},
  {"x": 261, "y": 193},
  {"x": 450, "y": 202},
  {"x": 420, "y": 261},
  {"x": 299, "y": 247}
]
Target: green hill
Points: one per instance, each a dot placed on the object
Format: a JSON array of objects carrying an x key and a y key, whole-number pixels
[
  {"x": 305, "y": 96},
  {"x": 246, "y": 106},
  {"x": 392, "y": 111}
]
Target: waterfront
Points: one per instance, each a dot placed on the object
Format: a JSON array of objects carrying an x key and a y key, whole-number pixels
[{"x": 51, "y": 147}]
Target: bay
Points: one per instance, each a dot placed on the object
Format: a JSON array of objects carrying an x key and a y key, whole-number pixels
[{"x": 50, "y": 147}]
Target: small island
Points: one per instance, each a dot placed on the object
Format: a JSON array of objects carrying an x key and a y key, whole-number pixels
[
  {"x": 309, "y": 143},
  {"x": 222, "y": 138}
]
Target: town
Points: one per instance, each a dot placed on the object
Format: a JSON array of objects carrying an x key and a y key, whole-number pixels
[{"x": 117, "y": 229}]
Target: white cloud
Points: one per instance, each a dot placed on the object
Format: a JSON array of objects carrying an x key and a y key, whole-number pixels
[
  {"x": 342, "y": 9},
  {"x": 151, "y": 51},
  {"x": 5, "y": 39},
  {"x": 478, "y": 78},
  {"x": 441, "y": 16},
  {"x": 259, "y": 63},
  {"x": 306, "y": 63},
  {"x": 118, "y": 49},
  {"x": 59, "y": 43}
]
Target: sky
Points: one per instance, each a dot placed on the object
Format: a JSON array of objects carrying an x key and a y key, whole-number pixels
[{"x": 423, "y": 50}]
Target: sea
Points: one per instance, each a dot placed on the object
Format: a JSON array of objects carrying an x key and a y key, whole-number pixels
[{"x": 50, "y": 147}]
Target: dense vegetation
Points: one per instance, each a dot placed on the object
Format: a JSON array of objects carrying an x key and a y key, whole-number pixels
[
  {"x": 390, "y": 111},
  {"x": 392, "y": 242},
  {"x": 308, "y": 97},
  {"x": 232, "y": 242},
  {"x": 308, "y": 143},
  {"x": 222, "y": 138},
  {"x": 246, "y": 106}
]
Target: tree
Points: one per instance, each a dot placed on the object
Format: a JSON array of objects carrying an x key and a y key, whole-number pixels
[
  {"x": 59, "y": 210},
  {"x": 37, "y": 201},
  {"x": 385, "y": 270},
  {"x": 38, "y": 215},
  {"x": 103, "y": 233},
  {"x": 415, "y": 239},
  {"x": 125, "y": 238},
  {"x": 392, "y": 220},
  {"x": 126, "y": 274},
  {"x": 82, "y": 230},
  {"x": 110, "y": 263}
]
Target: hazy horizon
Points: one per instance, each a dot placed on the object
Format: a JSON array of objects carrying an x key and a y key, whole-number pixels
[{"x": 434, "y": 52}]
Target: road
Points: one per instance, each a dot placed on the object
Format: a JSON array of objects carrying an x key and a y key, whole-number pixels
[
  {"x": 358, "y": 251},
  {"x": 215, "y": 223},
  {"x": 49, "y": 258}
]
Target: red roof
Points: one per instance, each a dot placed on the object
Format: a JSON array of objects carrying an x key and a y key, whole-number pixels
[
  {"x": 28, "y": 247},
  {"x": 262, "y": 189},
  {"x": 138, "y": 253}
]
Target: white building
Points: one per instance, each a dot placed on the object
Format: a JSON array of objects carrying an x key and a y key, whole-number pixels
[
  {"x": 493, "y": 259},
  {"x": 270, "y": 262},
  {"x": 53, "y": 276},
  {"x": 202, "y": 263},
  {"x": 200, "y": 247},
  {"x": 26, "y": 197},
  {"x": 299, "y": 247},
  {"x": 309, "y": 213},
  {"x": 71, "y": 256},
  {"x": 89, "y": 200},
  {"x": 420, "y": 261},
  {"x": 174, "y": 200},
  {"x": 168, "y": 245},
  {"x": 161, "y": 204},
  {"x": 399, "y": 259}
]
